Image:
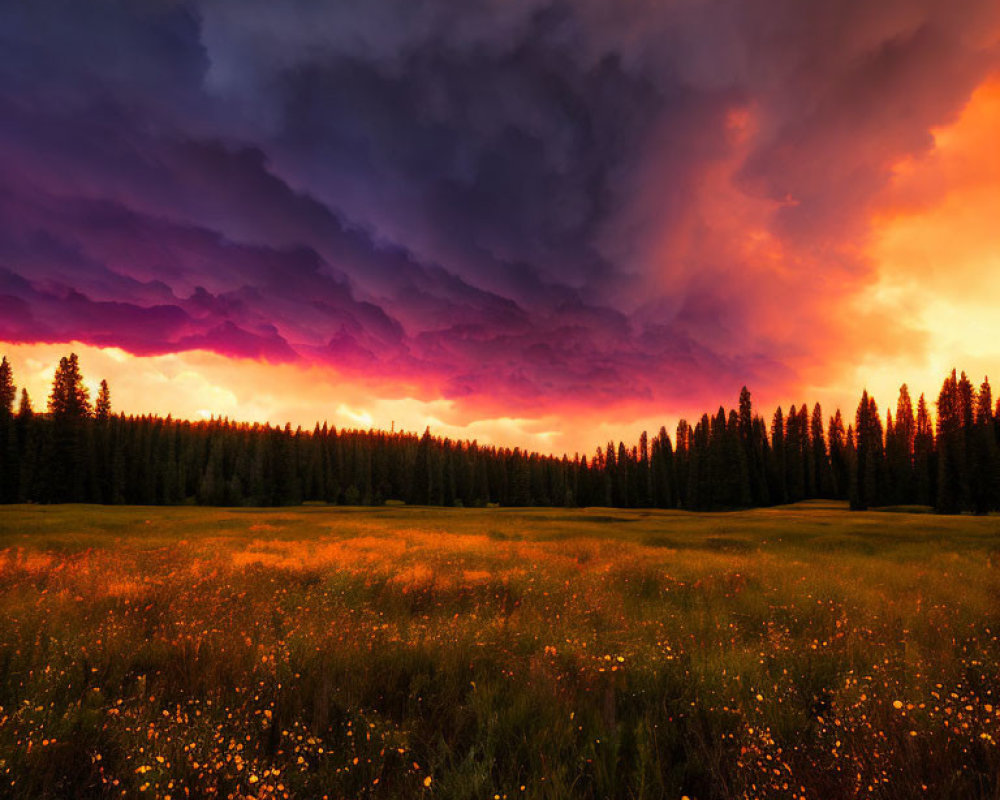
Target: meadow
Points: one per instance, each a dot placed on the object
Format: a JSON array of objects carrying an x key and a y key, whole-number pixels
[{"x": 398, "y": 652}]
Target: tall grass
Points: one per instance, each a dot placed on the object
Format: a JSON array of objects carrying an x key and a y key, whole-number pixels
[{"x": 396, "y": 653}]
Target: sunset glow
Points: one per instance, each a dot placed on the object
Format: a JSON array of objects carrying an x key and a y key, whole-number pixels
[
  {"x": 528, "y": 228},
  {"x": 936, "y": 244}
]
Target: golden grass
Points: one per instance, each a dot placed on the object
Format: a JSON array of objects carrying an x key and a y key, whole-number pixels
[{"x": 796, "y": 652}]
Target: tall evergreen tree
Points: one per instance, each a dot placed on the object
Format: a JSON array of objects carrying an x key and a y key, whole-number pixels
[
  {"x": 66, "y": 471},
  {"x": 520, "y": 480},
  {"x": 746, "y": 413},
  {"x": 102, "y": 407},
  {"x": 808, "y": 477},
  {"x": 779, "y": 481},
  {"x": 27, "y": 459},
  {"x": 69, "y": 397},
  {"x": 739, "y": 493},
  {"x": 754, "y": 447},
  {"x": 984, "y": 473},
  {"x": 899, "y": 451},
  {"x": 967, "y": 406},
  {"x": 662, "y": 468},
  {"x": 839, "y": 470},
  {"x": 924, "y": 468},
  {"x": 621, "y": 482},
  {"x": 8, "y": 392},
  {"x": 718, "y": 483},
  {"x": 950, "y": 448},
  {"x": 794, "y": 462},
  {"x": 682, "y": 458},
  {"x": 420, "y": 493},
  {"x": 24, "y": 409},
  {"x": 9, "y": 466},
  {"x": 699, "y": 466},
  {"x": 866, "y": 477},
  {"x": 644, "y": 479},
  {"x": 820, "y": 456},
  {"x": 761, "y": 458}
]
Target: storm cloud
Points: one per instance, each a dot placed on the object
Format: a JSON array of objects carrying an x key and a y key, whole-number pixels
[{"x": 495, "y": 202}]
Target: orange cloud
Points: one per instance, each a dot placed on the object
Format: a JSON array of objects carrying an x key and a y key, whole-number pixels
[{"x": 935, "y": 244}]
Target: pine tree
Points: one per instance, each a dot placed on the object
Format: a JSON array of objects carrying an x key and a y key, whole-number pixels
[
  {"x": 699, "y": 469},
  {"x": 894, "y": 467},
  {"x": 24, "y": 409},
  {"x": 899, "y": 450},
  {"x": 794, "y": 466},
  {"x": 967, "y": 406},
  {"x": 851, "y": 459},
  {"x": 66, "y": 460},
  {"x": 27, "y": 452},
  {"x": 745, "y": 413},
  {"x": 984, "y": 468},
  {"x": 644, "y": 474},
  {"x": 820, "y": 457},
  {"x": 876, "y": 461},
  {"x": 682, "y": 467},
  {"x": 717, "y": 487},
  {"x": 924, "y": 470},
  {"x": 662, "y": 468},
  {"x": 69, "y": 398},
  {"x": 753, "y": 447},
  {"x": 778, "y": 482},
  {"x": 866, "y": 477},
  {"x": 740, "y": 492},
  {"x": 949, "y": 448},
  {"x": 839, "y": 472},
  {"x": 621, "y": 478},
  {"x": 420, "y": 493},
  {"x": 520, "y": 480},
  {"x": 9, "y": 463},
  {"x": 762, "y": 457},
  {"x": 102, "y": 408},
  {"x": 8, "y": 392}
]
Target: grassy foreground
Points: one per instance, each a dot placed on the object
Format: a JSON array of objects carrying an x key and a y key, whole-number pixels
[{"x": 407, "y": 652}]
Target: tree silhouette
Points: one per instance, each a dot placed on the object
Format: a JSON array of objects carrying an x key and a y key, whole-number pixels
[
  {"x": 983, "y": 474},
  {"x": 69, "y": 397},
  {"x": 24, "y": 409},
  {"x": 924, "y": 468},
  {"x": 8, "y": 392},
  {"x": 821, "y": 486},
  {"x": 421, "y": 490},
  {"x": 839, "y": 471},
  {"x": 950, "y": 447},
  {"x": 794, "y": 461},
  {"x": 730, "y": 459},
  {"x": 899, "y": 441},
  {"x": 9, "y": 467},
  {"x": 866, "y": 477},
  {"x": 662, "y": 468},
  {"x": 779, "y": 481},
  {"x": 67, "y": 449},
  {"x": 102, "y": 407}
]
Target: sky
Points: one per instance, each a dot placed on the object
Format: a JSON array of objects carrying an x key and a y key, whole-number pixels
[{"x": 529, "y": 222}]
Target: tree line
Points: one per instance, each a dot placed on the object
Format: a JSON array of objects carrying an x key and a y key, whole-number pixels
[{"x": 79, "y": 451}]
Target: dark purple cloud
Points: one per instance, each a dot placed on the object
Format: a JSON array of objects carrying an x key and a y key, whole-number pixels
[{"x": 540, "y": 202}]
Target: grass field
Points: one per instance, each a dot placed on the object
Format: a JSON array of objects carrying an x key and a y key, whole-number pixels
[{"x": 405, "y": 652}]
